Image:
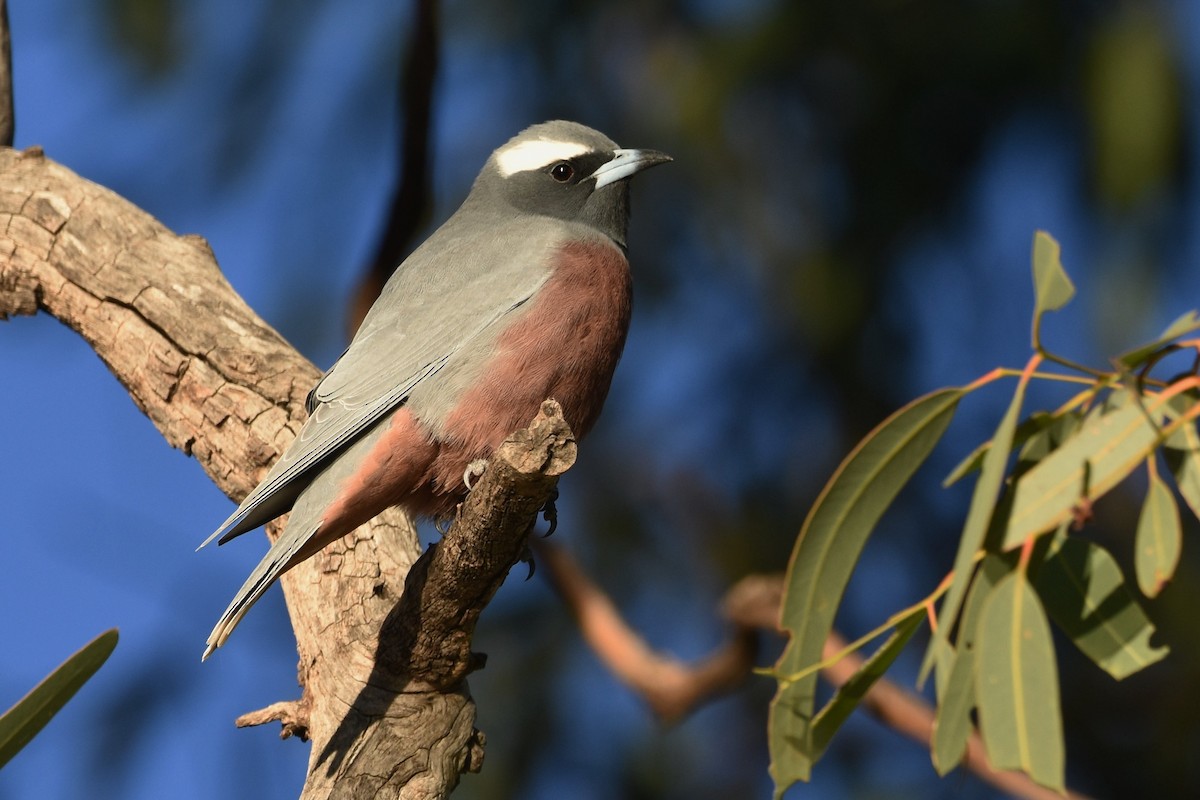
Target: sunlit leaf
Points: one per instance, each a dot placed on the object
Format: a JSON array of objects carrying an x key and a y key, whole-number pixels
[
  {"x": 952, "y": 726},
  {"x": 1052, "y": 433},
  {"x": 1159, "y": 538},
  {"x": 31, "y": 713},
  {"x": 848, "y": 696},
  {"x": 1109, "y": 444},
  {"x": 830, "y": 542},
  {"x": 1017, "y": 684},
  {"x": 943, "y": 661},
  {"x": 1185, "y": 324},
  {"x": 979, "y": 515},
  {"x": 1052, "y": 288},
  {"x": 1084, "y": 592},
  {"x": 971, "y": 463},
  {"x": 1181, "y": 450},
  {"x": 1036, "y": 436},
  {"x": 1036, "y": 423}
]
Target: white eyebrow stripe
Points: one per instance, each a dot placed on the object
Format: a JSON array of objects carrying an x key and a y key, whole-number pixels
[{"x": 536, "y": 154}]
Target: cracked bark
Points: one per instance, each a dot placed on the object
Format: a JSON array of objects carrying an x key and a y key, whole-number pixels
[{"x": 223, "y": 386}]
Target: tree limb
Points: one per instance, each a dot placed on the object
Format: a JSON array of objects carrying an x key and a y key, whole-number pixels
[{"x": 221, "y": 385}]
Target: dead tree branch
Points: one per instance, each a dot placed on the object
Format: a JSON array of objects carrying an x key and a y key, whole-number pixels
[{"x": 221, "y": 385}]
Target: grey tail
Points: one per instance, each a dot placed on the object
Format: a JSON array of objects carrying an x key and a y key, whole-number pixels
[
  {"x": 259, "y": 508},
  {"x": 277, "y": 561}
]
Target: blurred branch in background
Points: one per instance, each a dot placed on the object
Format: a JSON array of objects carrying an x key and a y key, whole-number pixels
[
  {"x": 409, "y": 208},
  {"x": 673, "y": 690}
]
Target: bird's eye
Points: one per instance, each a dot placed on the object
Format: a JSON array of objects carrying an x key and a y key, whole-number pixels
[{"x": 562, "y": 172}]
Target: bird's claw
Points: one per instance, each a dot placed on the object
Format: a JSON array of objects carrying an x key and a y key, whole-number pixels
[
  {"x": 550, "y": 512},
  {"x": 527, "y": 558},
  {"x": 474, "y": 470}
]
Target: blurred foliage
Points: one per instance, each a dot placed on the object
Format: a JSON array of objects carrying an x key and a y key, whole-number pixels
[
  {"x": 145, "y": 32},
  {"x": 781, "y": 269},
  {"x": 1134, "y": 107}
]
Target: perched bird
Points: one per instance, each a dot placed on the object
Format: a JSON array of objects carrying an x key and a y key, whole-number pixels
[{"x": 523, "y": 294}]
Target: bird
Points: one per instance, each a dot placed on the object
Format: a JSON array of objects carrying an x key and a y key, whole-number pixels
[{"x": 523, "y": 294}]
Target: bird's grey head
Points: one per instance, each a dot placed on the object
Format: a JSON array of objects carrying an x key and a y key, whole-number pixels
[{"x": 567, "y": 171}]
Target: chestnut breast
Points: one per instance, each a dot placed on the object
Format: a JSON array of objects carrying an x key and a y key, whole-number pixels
[{"x": 565, "y": 346}]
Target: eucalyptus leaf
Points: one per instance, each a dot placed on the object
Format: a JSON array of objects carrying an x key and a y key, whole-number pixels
[
  {"x": 31, "y": 713},
  {"x": 1109, "y": 444},
  {"x": 952, "y": 725},
  {"x": 1085, "y": 594},
  {"x": 851, "y": 693},
  {"x": 830, "y": 542},
  {"x": 1052, "y": 433},
  {"x": 1016, "y": 687},
  {"x": 1031, "y": 427},
  {"x": 1181, "y": 451},
  {"x": 1052, "y": 288},
  {"x": 1159, "y": 538},
  {"x": 979, "y": 516},
  {"x": 1185, "y": 324}
]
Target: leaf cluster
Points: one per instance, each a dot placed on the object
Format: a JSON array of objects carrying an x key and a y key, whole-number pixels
[{"x": 1021, "y": 564}]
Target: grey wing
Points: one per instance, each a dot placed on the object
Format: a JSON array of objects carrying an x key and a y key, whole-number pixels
[
  {"x": 435, "y": 304},
  {"x": 330, "y": 428},
  {"x": 424, "y": 317}
]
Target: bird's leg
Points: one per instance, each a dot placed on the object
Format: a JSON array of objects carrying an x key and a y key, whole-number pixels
[{"x": 474, "y": 470}]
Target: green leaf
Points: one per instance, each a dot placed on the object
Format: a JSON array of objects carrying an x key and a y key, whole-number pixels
[
  {"x": 1159, "y": 538},
  {"x": 1037, "y": 422},
  {"x": 847, "y": 698},
  {"x": 1185, "y": 324},
  {"x": 1052, "y": 288},
  {"x": 31, "y": 713},
  {"x": 979, "y": 515},
  {"x": 1109, "y": 444},
  {"x": 943, "y": 662},
  {"x": 1047, "y": 438},
  {"x": 1036, "y": 437},
  {"x": 952, "y": 726},
  {"x": 1085, "y": 593},
  {"x": 1017, "y": 684},
  {"x": 1181, "y": 451},
  {"x": 830, "y": 542}
]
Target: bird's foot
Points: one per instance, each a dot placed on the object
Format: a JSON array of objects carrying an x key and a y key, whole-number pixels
[
  {"x": 550, "y": 514},
  {"x": 474, "y": 470}
]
